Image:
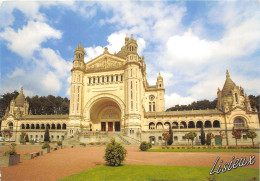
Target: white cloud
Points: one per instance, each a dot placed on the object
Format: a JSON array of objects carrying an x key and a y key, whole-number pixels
[
  {"x": 93, "y": 52},
  {"x": 16, "y": 72},
  {"x": 54, "y": 60},
  {"x": 174, "y": 99},
  {"x": 25, "y": 41},
  {"x": 189, "y": 49},
  {"x": 115, "y": 42},
  {"x": 51, "y": 82}
]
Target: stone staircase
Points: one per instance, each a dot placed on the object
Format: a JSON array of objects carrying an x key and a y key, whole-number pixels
[
  {"x": 71, "y": 142},
  {"x": 101, "y": 137}
]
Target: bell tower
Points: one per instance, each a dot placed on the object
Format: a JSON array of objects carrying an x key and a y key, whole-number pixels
[
  {"x": 132, "y": 88},
  {"x": 77, "y": 76}
]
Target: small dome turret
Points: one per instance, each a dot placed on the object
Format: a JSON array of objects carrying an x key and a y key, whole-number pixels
[{"x": 20, "y": 99}]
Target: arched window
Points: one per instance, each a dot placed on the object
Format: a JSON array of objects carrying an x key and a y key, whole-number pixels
[
  {"x": 239, "y": 123},
  {"x": 53, "y": 126},
  {"x": 199, "y": 124},
  {"x": 64, "y": 126},
  {"x": 208, "y": 124},
  {"x": 183, "y": 125},
  {"x": 42, "y": 126},
  {"x": 27, "y": 126},
  {"x": 167, "y": 125},
  {"x": 191, "y": 124},
  {"x": 10, "y": 126},
  {"x": 216, "y": 124},
  {"x": 22, "y": 126},
  {"x": 159, "y": 125},
  {"x": 151, "y": 125},
  {"x": 175, "y": 125},
  {"x": 48, "y": 126},
  {"x": 37, "y": 126},
  {"x": 58, "y": 126},
  {"x": 32, "y": 126}
]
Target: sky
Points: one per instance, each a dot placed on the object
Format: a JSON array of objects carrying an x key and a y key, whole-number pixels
[{"x": 192, "y": 43}]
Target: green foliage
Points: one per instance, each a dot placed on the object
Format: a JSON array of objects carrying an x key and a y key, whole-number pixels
[
  {"x": 150, "y": 145},
  {"x": 38, "y": 105},
  {"x": 45, "y": 145},
  {"x": 144, "y": 146},
  {"x": 47, "y": 135},
  {"x": 27, "y": 138},
  {"x": 191, "y": 135},
  {"x": 236, "y": 134},
  {"x": 170, "y": 141},
  {"x": 32, "y": 142},
  {"x": 83, "y": 144},
  {"x": 166, "y": 137},
  {"x": 59, "y": 143},
  {"x": 154, "y": 172},
  {"x": 115, "y": 153},
  {"x": 210, "y": 136},
  {"x": 5, "y": 100},
  {"x": 254, "y": 101},
  {"x": 203, "y": 104},
  {"x": 23, "y": 141},
  {"x": 11, "y": 150},
  {"x": 202, "y": 136},
  {"x": 23, "y": 134},
  {"x": 252, "y": 135}
]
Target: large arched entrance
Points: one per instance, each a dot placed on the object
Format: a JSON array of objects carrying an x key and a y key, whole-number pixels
[{"x": 105, "y": 115}]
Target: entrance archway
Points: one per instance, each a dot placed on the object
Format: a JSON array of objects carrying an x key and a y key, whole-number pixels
[{"x": 105, "y": 115}]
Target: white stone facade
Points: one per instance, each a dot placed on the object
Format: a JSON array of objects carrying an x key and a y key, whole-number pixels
[{"x": 111, "y": 94}]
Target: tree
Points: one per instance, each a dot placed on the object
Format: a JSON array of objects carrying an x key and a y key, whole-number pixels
[
  {"x": 170, "y": 141},
  {"x": 5, "y": 100},
  {"x": 166, "y": 137},
  {"x": 144, "y": 146},
  {"x": 23, "y": 134},
  {"x": 236, "y": 134},
  {"x": 202, "y": 136},
  {"x": 187, "y": 137},
  {"x": 252, "y": 135},
  {"x": 191, "y": 135},
  {"x": 115, "y": 153},
  {"x": 47, "y": 135},
  {"x": 27, "y": 138},
  {"x": 210, "y": 136}
]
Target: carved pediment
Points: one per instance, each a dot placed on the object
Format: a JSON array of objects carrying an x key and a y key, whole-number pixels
[{"x": 104, "y": 63}]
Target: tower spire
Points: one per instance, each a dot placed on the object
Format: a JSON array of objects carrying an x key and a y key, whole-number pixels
[{"x": 227, "y": 74}]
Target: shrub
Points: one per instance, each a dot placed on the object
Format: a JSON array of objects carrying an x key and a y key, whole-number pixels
[
  {"x": 47, "y": 135},
  {"x": 83, "y": 144},
  {"x": 59, "y": 143},
  {"x": 170, "y": 141},
  {"x": 23, "y": 141},
  {"x": 92, "y": 143},
  {"x": 150, "y": 145},
  {"x": 32, "y": 142},
  {"x": 12, "y": 150},
  {"x": 144, "y": 146},
  {"x": 27, "y": 138},
  {"x": 115, "y": 153},
  {"x": 45, "y": 145}
]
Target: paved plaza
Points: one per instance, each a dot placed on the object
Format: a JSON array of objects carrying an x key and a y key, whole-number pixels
[{"x": 63, "y": 163}]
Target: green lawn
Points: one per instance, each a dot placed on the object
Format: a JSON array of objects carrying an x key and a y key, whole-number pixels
[
  {"x": 204, "y": 150},
  {"x": 162, "y": 173}
]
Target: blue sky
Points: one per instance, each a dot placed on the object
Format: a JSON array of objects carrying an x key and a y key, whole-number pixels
[{"x": 191, "y": 43}]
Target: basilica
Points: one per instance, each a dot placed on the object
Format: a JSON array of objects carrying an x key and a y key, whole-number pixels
[{"x": 111, "y": 97}]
